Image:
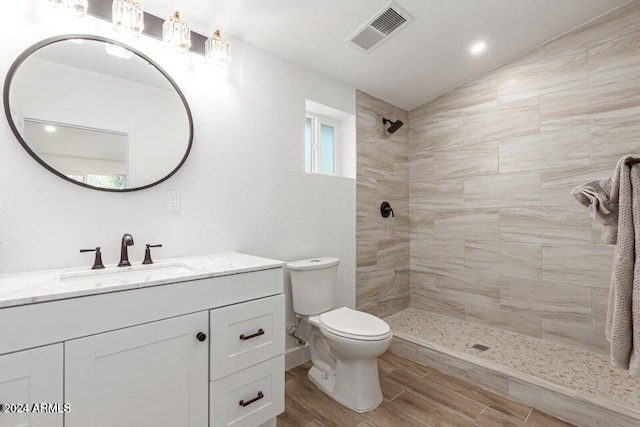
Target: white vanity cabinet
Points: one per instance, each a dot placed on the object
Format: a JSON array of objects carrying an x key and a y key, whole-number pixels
[
  {"x": 32, "y": 377},
  {"x": 148, "y": 375},
  {"x": 195, "y": 352}
]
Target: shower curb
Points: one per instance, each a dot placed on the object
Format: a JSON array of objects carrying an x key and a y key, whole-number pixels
[{"x": 576, "y": 407}]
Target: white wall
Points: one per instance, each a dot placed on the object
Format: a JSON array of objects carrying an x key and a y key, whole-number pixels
[{"x": 242, "y": 189}]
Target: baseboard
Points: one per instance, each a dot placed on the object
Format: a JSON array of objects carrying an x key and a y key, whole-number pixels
[{"x": 296, "y": 356}]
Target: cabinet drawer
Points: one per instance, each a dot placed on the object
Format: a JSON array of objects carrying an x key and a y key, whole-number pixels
[
  {"x": 249, "y": 397},
  {"x": 245, "y": 334}
]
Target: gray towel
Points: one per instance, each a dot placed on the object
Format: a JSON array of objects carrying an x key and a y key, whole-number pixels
[
  {"x": 616, "y": 203},
  {"x": 596, "y": 195}
]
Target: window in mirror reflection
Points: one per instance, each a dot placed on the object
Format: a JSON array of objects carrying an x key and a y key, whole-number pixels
[{"x": 113, "y": 182}]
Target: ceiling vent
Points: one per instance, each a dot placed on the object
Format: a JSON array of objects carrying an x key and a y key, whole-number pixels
[{"x": 379, "y": 28}]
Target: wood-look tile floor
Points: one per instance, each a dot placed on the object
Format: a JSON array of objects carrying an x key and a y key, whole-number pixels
[{"x": 414, "y": 395}]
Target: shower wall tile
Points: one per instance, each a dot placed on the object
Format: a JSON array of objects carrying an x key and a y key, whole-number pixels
[
  {"x": 419, "y": 117},
  {"x": 504, "y": 190},
  {"x": 460, "y": 163},
  {"x": 465, "y": 224},
  {"x": 557, "y": 183},
  {"x": 503, "y": 319},
  {"x": 547, "y": 225},
  {"x": 437, "y": 256},
  {"x": 501, "y": 122},
  {"x": 616, "y": 57},
  {"x": 534, "y": 74},
  {"x": 380, "y": 288},
  {"x": 426, "y": 296},
  {"x": 618, "y": 22},
  {"x": 421, "y": 167},
  {"x": 505, "y": 259},
  {"x": 495, "y": 235},
  {"x": 421, "y": 220},
  {"x": 603, "y": 100},
  {"x": 469, "y": 288},
  {"x": 392, "y": 253},
  {"x": 548, "y": 300},
  {"x": 599, "y": 302},
  {"x": 367, "y": 258},
  {"x": 548, "y": 236},
  {"x": 442, "y": 194},
  {"x": 382, "y": 248},
  {"x": 612, "y": 139},
  {"x": 441, "y": 134},
  {"x": 556, "y": 217},
  {"x": 546, "y": 150},
  {"x": 574, "y": 335},
  {"x": 588, "y": 265},
  {"x": 476, "y": 95}
]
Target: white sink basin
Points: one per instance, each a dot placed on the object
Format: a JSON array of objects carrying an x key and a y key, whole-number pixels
[{"x": 129, "y": 275}]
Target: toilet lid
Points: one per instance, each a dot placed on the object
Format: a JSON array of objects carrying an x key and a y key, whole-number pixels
[{"x": 344, "y": 321}]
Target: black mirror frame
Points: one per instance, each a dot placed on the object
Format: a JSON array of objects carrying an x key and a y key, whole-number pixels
[{"x": 24, "y": 55}]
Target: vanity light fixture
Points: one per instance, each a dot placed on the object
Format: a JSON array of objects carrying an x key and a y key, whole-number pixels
[
  {"x": 73, "y": 7},
  {"x": 128, "y": 17},
  {"x": 478, "y": 47},
  {"x": 218, "y": 50},
  {"x": 118, "y": 51},
  {"x": 176, "y": 33},
  {"x": 50, "y": 128}
]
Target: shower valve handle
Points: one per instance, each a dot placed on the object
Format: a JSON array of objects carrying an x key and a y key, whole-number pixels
[{"x": 386, "y": 210}]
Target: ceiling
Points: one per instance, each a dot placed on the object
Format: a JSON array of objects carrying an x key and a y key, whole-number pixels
[
  {"x": 91, "y": 55},
  {"x": 422, "y": 60}
]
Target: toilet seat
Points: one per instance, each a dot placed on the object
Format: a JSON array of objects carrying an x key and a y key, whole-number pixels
[{"x": 356, "y": 325}]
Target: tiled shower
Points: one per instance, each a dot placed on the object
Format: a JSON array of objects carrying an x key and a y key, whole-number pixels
[{"x": 494, "y": 235}]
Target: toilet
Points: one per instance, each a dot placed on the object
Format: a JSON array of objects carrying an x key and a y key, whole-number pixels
[{"x": 344, "y": 343}]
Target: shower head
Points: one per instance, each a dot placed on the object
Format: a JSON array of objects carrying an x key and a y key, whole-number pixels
[{"x": 394, "y": 125}]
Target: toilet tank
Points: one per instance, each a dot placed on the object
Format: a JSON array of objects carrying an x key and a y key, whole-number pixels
[{"x": 313, "y": 285}]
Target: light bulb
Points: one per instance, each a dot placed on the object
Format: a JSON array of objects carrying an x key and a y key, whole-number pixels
[
  {"x": 73, "y": 7},
  {"x": 128, "y": 17},
  {"x": 176, "y": 33},
  {"x": 218, "y": 50}
]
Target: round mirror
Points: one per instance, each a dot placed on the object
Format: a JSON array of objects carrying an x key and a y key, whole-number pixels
[{"x": 98, "y": 113}]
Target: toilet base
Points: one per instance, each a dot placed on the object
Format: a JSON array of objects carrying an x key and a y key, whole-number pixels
[{"x": 326, "y": 383}]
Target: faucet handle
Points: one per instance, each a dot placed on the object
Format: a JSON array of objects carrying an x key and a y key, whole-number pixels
[
  {"x": 97, "y": 263},
  {"x": 147, "y": 253}
]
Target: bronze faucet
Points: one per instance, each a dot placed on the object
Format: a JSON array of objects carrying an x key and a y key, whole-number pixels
[{"x": 127, "y": 240}]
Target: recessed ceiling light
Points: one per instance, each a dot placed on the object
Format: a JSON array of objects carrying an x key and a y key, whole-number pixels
[
  {"x": 50, "y": 128},
  {"x": 478, "y": 47}
]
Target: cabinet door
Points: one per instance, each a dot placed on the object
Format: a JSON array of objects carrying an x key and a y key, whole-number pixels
[
  {"x": 152, "y": 375},
  {"x": 32, "y": 376}
]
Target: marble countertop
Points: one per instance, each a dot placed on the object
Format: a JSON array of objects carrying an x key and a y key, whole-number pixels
[{"x": 50, "y": 285}]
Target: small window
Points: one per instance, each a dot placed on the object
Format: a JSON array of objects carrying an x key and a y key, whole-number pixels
[{"x": 320, "y": 145}]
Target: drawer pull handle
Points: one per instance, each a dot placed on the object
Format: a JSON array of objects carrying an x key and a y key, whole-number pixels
[
  {"x": 201, "y": 336},
  {"x": 248, "y": 337},
  {"x": 249, "y": 402}
]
